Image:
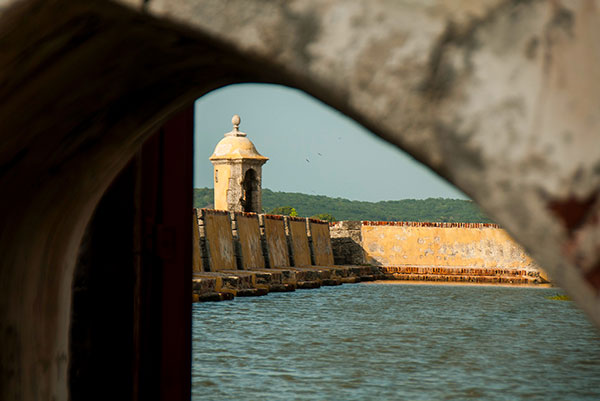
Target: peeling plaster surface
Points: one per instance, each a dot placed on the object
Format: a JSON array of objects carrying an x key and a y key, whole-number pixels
[
  {"x": 443, "y": 247},
  {"x": 219, "y": 240},
  {"x": 321, "y": 243},
  {"x": 276, "y": 242},
  {"x": 250, "y": 242},
  {"x": 299, "y": 242}
]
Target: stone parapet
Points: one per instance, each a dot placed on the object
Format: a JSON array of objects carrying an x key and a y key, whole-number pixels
[
  {"x": 246, "y": 254},
  {"x": 426, "y": 224}
]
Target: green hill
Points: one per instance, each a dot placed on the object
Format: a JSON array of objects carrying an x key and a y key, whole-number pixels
[{"x": 432, "y": 209}]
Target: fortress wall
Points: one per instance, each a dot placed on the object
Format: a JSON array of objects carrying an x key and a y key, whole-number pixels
[
  {"x": 298, "y": 238},
  {"x": 319, "y": 232},
  {"x": 276, "y": 240},
  {"x": 227, "y": 240},
  {"x": 219, "y": 240},
  {"x": 442, "y": 245},
  {"x": 248, "y": 231},
  {"x": 403, "y": 245},
  {"x": 346, "y": 242}
]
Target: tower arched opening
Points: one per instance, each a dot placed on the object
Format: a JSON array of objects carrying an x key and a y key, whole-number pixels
[{"x": 250, "y": 195}]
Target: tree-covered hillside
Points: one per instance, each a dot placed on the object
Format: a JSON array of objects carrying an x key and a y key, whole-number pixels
[{"x": 438, "y": 209}]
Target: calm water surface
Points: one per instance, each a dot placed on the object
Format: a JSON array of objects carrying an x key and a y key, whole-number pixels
[{"x": 396, "y": 342}]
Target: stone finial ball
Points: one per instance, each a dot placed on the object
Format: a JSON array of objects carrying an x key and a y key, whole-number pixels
[{"x": 235, "y": 120}]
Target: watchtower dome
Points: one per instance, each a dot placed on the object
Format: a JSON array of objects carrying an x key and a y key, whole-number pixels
[{"x": 238, "y": 172}]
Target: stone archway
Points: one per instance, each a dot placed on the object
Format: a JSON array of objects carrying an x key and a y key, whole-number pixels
[{"x": 509, "y": 118}]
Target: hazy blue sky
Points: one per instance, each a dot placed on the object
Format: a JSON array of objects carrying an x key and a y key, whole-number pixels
[{"x": 312, "y": 148}]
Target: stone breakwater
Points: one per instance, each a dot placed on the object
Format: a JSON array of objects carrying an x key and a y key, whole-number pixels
[{"x": 246, "y": 254}]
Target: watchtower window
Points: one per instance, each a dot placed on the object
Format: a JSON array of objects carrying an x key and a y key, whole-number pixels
[{"x": 249, "y": 191}]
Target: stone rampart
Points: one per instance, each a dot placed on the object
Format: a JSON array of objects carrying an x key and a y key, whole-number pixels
[
  {"x": 248, "y": 234},
  {"x": 219, "y": 240},
  {"x": 246, "y": 254},
  {"x": 417, "y": 244},
  {"x": 321, "y": 243},
  {"x": 298, "y": 241},
  {"x": 275, "y": 240}
]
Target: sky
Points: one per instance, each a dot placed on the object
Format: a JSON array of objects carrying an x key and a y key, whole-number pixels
[{"x": 312, "y": 148}]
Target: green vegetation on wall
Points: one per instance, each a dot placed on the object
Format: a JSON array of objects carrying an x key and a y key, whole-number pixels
[
  {"x": 432, "y": 209},
  {"x": 284, "y": 211},
  {"x": 324, "y": 216}
]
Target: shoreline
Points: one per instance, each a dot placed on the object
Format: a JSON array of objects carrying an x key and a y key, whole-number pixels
[{"x": 457, "y": 283}]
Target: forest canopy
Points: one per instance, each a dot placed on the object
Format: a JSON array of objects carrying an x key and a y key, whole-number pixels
[{"x": 431, "y": 209}]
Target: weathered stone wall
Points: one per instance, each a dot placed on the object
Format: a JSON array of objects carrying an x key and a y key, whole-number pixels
[
  {"x": 321, "y": 242},
  {"x": 237, "y": 240},
  {"x": 298, "y": 237},
  {"x": 276, "y": 241},
  {"x": 249, "y": 237},
  {"x": 219, "y": 240},
  {"x": 404, "y": 244},
  {"x": 346, "y": 242},
  {"x": 461, "y": 245}
]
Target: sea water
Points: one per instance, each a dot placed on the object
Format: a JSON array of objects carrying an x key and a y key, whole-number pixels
[{"x": 396, "y": 342}]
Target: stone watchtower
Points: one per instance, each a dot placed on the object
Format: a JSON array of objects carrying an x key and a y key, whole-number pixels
[{"x": 238, "y": 172}]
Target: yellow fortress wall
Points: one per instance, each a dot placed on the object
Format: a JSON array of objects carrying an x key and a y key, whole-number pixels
[
  {"x": 276, "y": 241},
  {"x": 248, "y": 230},
  {"x": 219, "y": 240},
  {"x": 299, "y": 241},
  {"x": 441, "y": 245},
  {"x": 319, "y": 231}
]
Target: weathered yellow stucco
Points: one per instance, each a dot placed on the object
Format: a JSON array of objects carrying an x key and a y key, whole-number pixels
[
  {"x": 222, "y": 174},
  {"x": 276, "y": 242},
  {"x": 233, "y": 157},
  {"x": 219, "y": 241},
  {"x": 299, "y": 241},
  {"x": 249, "y": 236},
  {"x": 321, "y": 243},
  {"x": 488, "y": 247}
]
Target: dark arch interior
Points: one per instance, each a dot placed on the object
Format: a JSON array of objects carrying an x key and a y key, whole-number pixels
[
  {"x": 250, "y": 191},
  {"x": 130, "y": 321},
  {"x": 120, "y": 95}
]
